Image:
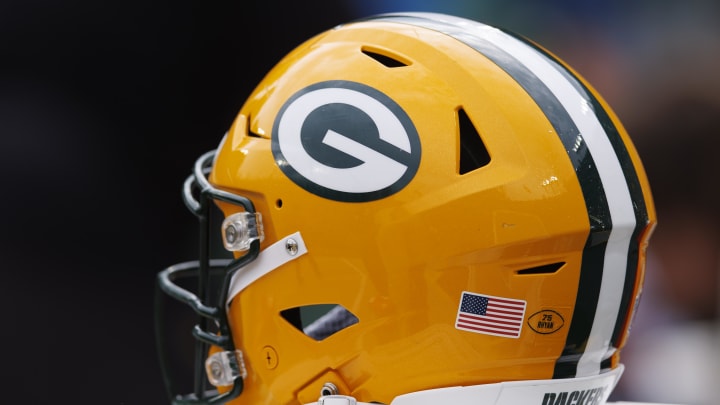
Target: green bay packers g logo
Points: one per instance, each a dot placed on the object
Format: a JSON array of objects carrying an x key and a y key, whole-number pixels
[{"x": 345, "y": 141}]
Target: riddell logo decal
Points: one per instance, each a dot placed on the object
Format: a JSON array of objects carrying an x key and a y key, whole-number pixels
[
  {"x": 593, "y": 396},
  {"x": 345, "y": 141}
]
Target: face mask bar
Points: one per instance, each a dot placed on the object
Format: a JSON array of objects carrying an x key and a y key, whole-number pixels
[{"x": 198, "y": 195}]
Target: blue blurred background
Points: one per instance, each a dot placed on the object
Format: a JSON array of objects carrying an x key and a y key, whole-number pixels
[{"x": 105, "y": 105}]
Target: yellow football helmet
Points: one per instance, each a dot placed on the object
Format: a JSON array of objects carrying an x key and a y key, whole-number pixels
[{"x": 422, "y": 209}]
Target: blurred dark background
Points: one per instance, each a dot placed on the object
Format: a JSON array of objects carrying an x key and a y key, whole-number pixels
[{"x": 104, "y": 107}]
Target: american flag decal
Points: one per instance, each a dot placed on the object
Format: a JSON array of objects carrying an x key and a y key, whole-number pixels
[{"x": 490, "y": 315}]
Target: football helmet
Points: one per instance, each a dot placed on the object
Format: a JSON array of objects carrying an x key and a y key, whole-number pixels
[{"x": 422, "y": 209}]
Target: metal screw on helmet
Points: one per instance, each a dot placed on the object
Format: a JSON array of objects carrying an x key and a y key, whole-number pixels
[
  {"x": 231, "y": 234},
  {"x": 291, "y": 246},
  {"x": 328, "y": 389}
]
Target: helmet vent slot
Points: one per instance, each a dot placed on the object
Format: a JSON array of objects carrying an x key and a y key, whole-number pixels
[
  {"x": 319, "y": 321},
  {"x": 473, "y": 153},
  {"x": 249, "y": 130},
  {"x": 544, "y": 269},
  {"x": 387, "y": 61}
]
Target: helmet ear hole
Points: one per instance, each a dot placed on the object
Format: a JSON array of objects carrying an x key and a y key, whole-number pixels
[{"x": 319, "y": 321}]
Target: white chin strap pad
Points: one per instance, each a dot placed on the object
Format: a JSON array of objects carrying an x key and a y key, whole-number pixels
[
  {"x": 268, "y": 260},
  {"x": 593, "y": 390}
]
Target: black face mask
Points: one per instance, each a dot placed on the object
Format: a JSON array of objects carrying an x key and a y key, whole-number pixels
[{"x": 208, "y": 302}]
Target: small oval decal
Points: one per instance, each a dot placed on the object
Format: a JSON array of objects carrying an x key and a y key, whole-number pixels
[{"x": 546, "y": 321}]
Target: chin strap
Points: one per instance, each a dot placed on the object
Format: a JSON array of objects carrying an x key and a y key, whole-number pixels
[
  {"x": 592, "y": 390},
  {"x": 284, "y": 250}
]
